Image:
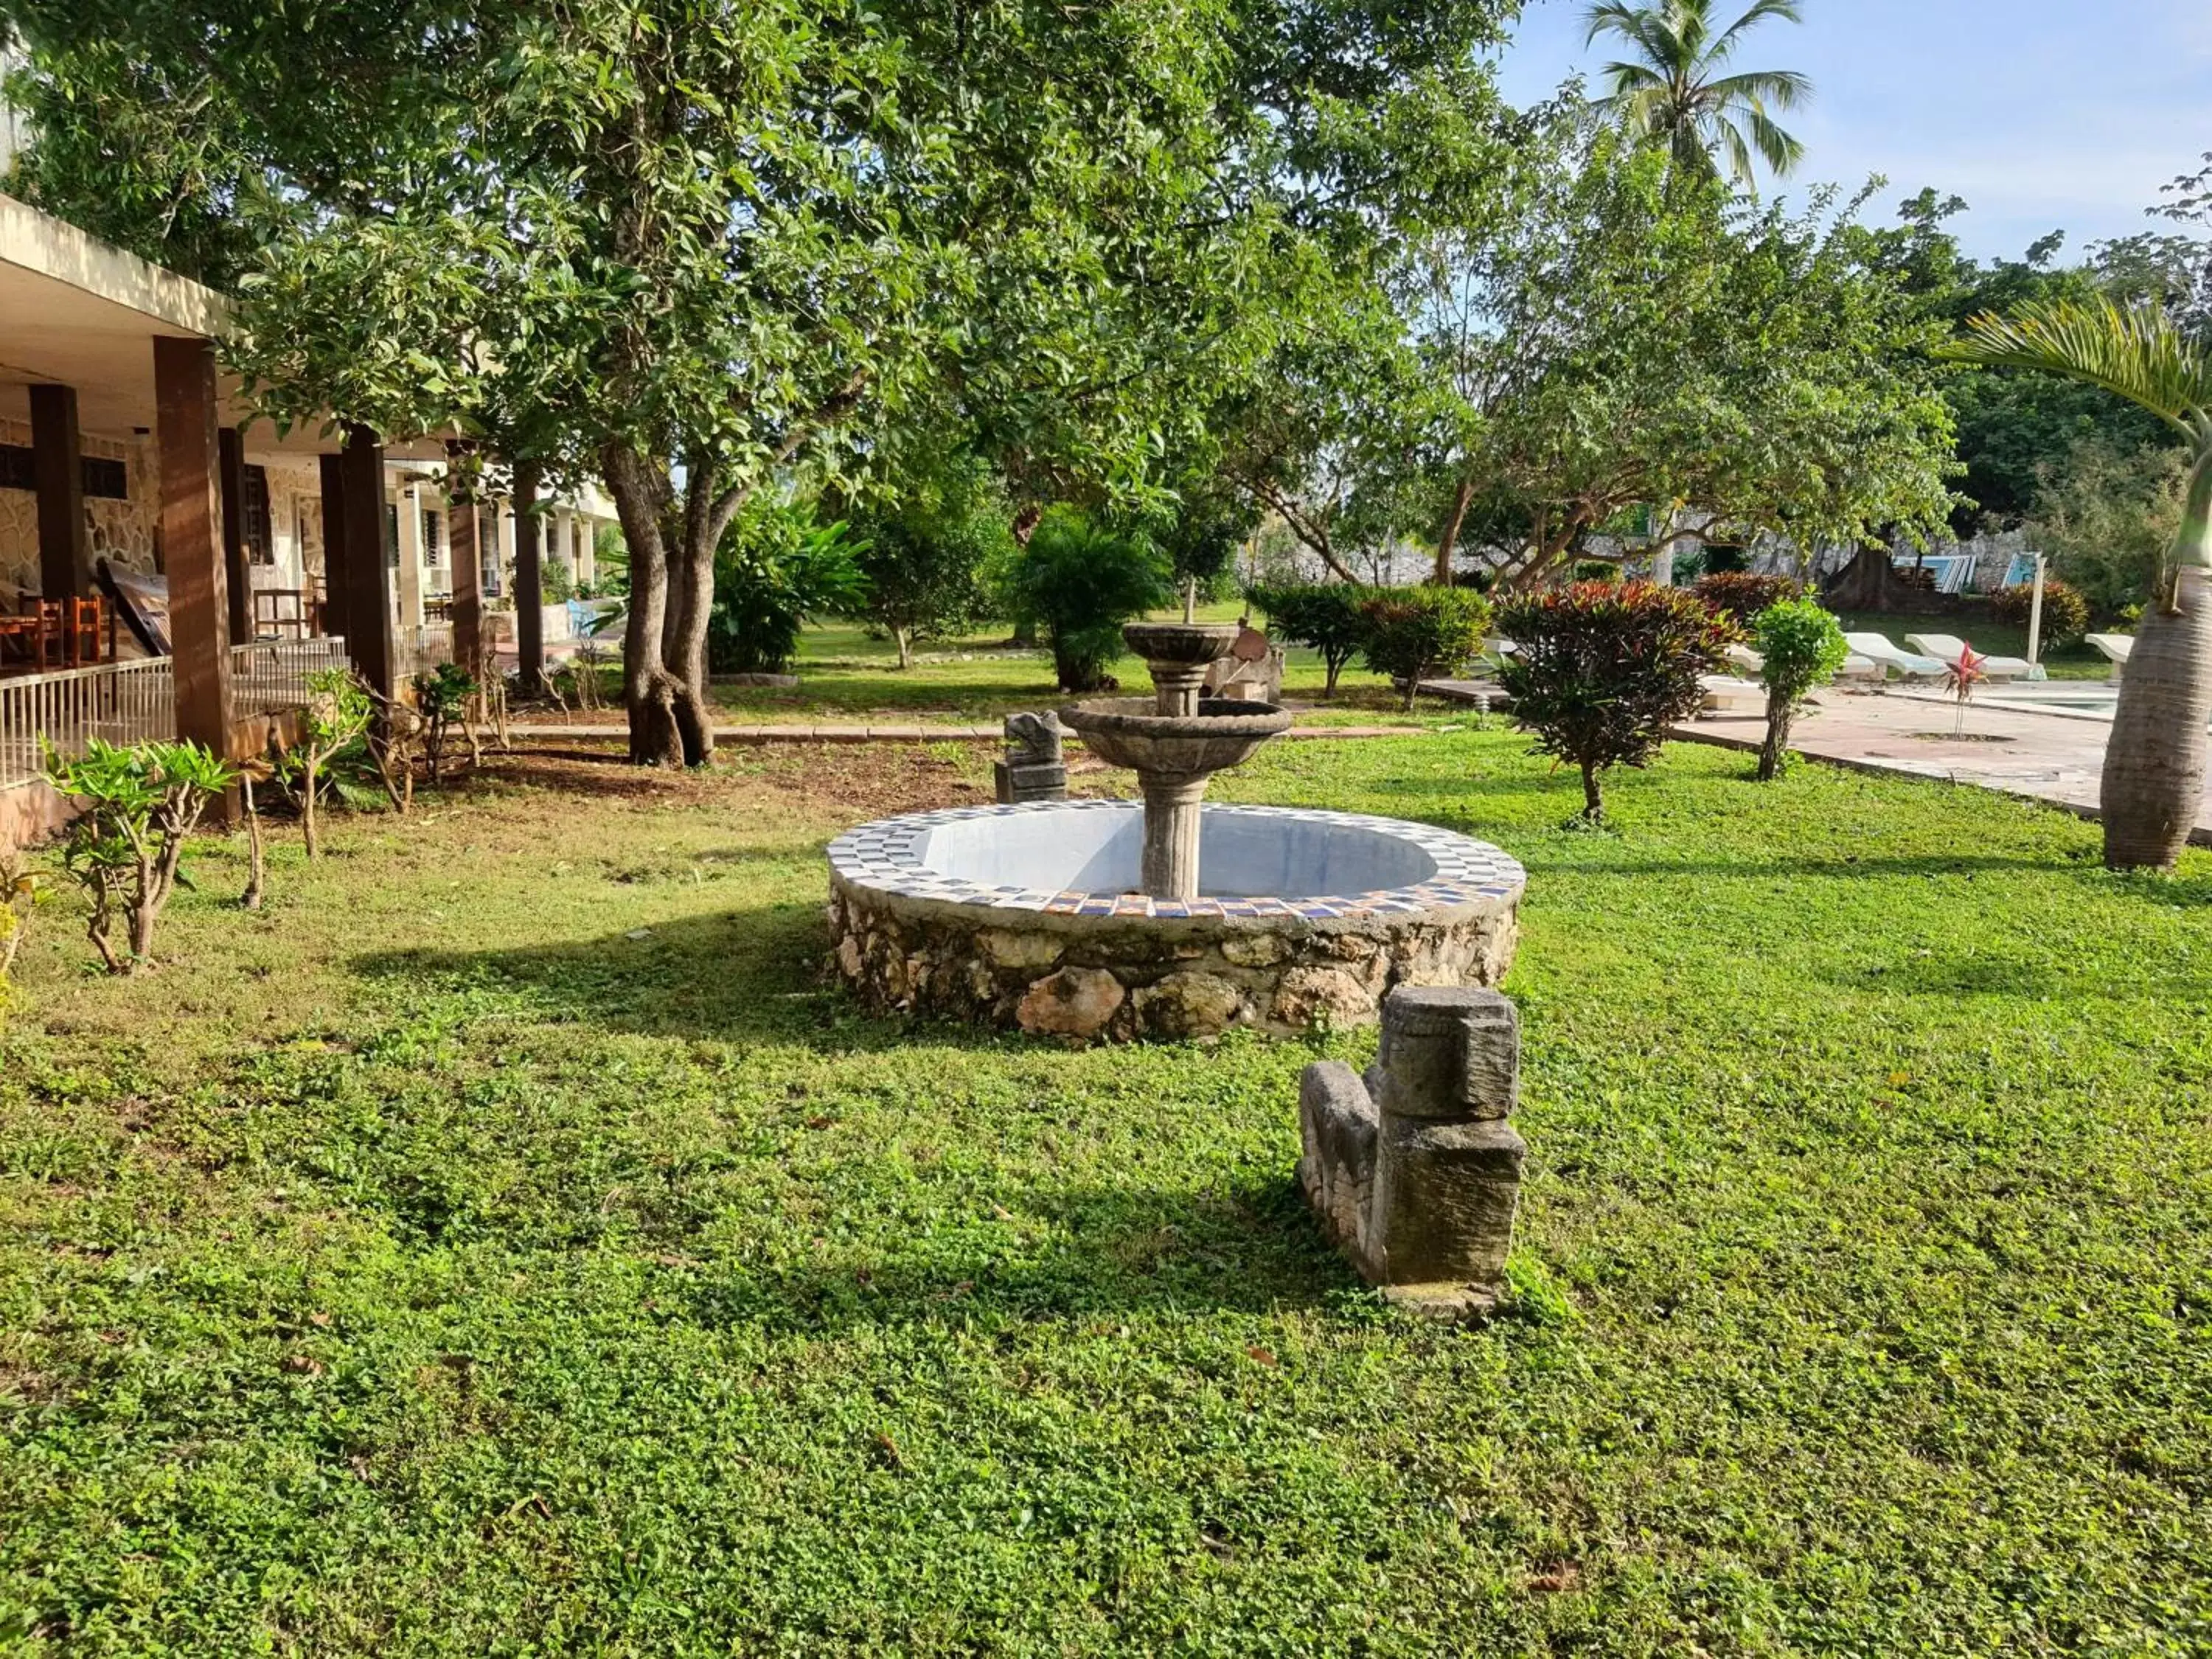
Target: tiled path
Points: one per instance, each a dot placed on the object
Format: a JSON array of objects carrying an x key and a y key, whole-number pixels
[{"x": 2053, "y": 757}]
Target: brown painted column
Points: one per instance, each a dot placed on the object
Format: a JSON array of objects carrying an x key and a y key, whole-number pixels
[
  {"x": 369, "y": 635},
  {"x": 57, "y": 473},
  {"x": 334, "y": 547},
  {"x": 191, "y": 538},
  {"x": 529, "y": 582},
  {"x": 461, "y": 521},
  {"x": 230, "y": 451}
]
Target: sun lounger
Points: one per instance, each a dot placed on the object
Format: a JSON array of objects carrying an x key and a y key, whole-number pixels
[
  {"x": 1727, "y": 694},
  {"x": 2115, "y": 647},
  {"x": 1950, "y": 647},
  {"x": 1877, "y": 649},
  {"x": 1855, "y": 667}
]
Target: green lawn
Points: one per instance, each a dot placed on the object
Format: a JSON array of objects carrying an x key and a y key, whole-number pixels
[
  {"x": 846, "y": 675},
  {"x": 506, "y": 1244}
]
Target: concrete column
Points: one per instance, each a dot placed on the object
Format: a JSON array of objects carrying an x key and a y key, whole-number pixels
[
  {"x": 587, "y": 549},
  {"x": 468, "y": 576},
  {"x": 503, "y": 522},
  {"x": 368, "y": 576},
  {"x": 1169, "y": 861},
  {"x": 230, "y": 454},
  {"x": 410, "y": 557},
  {"x": 58, "y": 475},
  {"x": 564, "y": 537},
  {"x": 529, "y": 589},
  {"x": 334, "y": 558},
  {"x": 191, "y": 538}
]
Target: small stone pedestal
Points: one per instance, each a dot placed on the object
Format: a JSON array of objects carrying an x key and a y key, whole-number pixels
[
  {"x": 1034, "y": 768},
  {"x": 1413, "y": 1168}
]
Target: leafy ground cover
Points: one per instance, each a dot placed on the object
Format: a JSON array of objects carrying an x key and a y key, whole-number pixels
[{"x": 506, "y": 1244}]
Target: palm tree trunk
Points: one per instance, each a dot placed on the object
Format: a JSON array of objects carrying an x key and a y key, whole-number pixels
[{"x": 2154, "y": 762}]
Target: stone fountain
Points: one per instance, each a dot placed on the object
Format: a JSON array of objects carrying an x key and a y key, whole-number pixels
[{"x": 1174, "y": 743}]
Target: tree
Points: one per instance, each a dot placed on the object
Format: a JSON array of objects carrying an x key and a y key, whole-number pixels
[
  {"x": 922, "y": 556},
  {"x": 1675, "y": 92},
  {"x": 138, "y": 806},
  {"x": 2154, "y": 761},
  {"x": 1600, "y": 671},
  {"x": 1083, "y": 580},
  {"x": 2107, "y": 514},
  {"x": 1414, "y": 633},
  {"x": 1330, "y": 617},
  {"x": 1800, "y": 647},
  {"x": 777, "y": 565},
  {"x": 1609, "y": 338}
]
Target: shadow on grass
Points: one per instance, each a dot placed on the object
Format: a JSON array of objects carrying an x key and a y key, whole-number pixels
[
  {"x": 744, "y": 974},
  {"x": 1106, "y": 1252}
]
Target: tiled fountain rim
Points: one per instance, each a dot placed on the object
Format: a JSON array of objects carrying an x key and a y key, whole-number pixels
[{"x": 886, "y": 857}]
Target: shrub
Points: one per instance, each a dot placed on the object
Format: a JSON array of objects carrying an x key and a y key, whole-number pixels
[
  {"x": 1415, "y": 633},
  {"x": 1602, "y": 671},
  {"x": 2065, "y": 609},
  {"x": 1596, "y": 570},
  {"x": 775, "y": 566},
  {"x": 336, "y": 716},
  {"x": 1325, "y": 617},
  {"x": 1744, "y": 595},
  {"x": 442, "y": 698},
  {"x": 556, "y": 583},
  {"x": 923, "y": 557},
  {"x": 1800, "y": 647},
  {"x": 1082, "y": 581},
  {"x": 139, "y": 804}
]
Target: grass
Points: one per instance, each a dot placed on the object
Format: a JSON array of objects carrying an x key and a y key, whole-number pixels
[
  {"x": 506, "y": 1244},
  {"x": 844, "y": 674}
]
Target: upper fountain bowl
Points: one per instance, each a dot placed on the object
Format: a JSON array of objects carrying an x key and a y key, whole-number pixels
[
  {"x": 1181, "y": 643},
  {"x": 1129, "y": 732}
]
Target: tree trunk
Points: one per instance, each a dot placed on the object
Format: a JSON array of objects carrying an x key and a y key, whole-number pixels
[
  {"x": 1593, "y": 799},
  {"x": 2154, "y": 762},
  {"x": 1778, "y": 737},
  {"x": 529, "y": 581},
  {"x": 904, "y": 639},
  {"x": 251, "y": 898},
  {"x": 648, "y": 689},
  {"x": 1448, "y": 542},
  {"x": 694, "y": 579},
  {"x": 308, "y": 834}
]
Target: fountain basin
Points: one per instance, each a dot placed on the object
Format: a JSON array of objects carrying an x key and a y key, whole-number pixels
[
  {"x": 1129, "y": 732},
  {"x": 1180, "y": 644},
  {"x": 1024, "y": 917}
]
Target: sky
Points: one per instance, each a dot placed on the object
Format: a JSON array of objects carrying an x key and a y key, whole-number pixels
[{"x": 2044, "y": 114}]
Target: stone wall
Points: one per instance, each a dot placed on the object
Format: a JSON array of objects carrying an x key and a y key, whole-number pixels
[
  {"x": 120, "y": 531},
  {"x": 1116, "y": 978}
]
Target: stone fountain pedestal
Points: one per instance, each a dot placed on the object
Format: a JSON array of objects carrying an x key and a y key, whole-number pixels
[{"x": 1174, "y": 743}]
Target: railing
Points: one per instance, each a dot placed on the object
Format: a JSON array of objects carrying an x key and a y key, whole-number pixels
[
  {"x": 119, "y": 701},
  {"x": 272, "y": 675},
  {"x": 137, "y": 701}
]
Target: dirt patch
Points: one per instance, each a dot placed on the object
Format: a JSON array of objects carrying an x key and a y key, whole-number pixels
[{"x": 876, "y": 779}]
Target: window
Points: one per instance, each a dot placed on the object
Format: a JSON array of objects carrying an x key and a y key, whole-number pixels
[
  {"x": 434, "y": 550},
  {"x": 260, "y": 546},
  {"x": 104, "y": 479}
]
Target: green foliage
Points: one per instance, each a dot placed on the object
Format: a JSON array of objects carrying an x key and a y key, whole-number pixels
[
  {"x": 1082, "y": 580},
  {"x": 1414, "y": 633},
  {"x": 775, "y": 566},
  {"x": 1800, "y": 645},
  {"x": 2065, "y": 609},
  {"x": 1331, "y": 617},
  {"x": 556, "y": 583},
  {"x": 923, "y": 556},
  {"x": 1744, "y": 594},
  {"x": 1612, "y": 334},
  {"x": 1601, "y": 671},
  {"x": 441, "y": 699},
  {"x": 2108, "y": 516},
  {"x": 136, "y": 805},
  {"x": 1595, "y": 570}
]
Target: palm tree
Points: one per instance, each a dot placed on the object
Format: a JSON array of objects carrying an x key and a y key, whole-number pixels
[
  {"x": 1675, "y": 92},
  {"x": 2154, "y": 762}
]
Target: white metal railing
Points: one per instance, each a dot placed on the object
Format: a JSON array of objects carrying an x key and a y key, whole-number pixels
[
  {"x": 119, "y": 701},
  {"x": 137, "y": 701},
  {"x": 272, "y": 674}
]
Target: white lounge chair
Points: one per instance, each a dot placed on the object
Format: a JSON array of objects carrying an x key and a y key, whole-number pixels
[
  {"x": 1877, "y": 649},
  {"x": 1950, "y": 647},
  {"x": 2116, "y": 649},
  {"x": 1727, "y": 694},
  {"x": 1856, "y": 667}
]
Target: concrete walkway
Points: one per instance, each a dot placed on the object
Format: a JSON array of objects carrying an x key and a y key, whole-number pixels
[{"x": 2050, "y": 757}]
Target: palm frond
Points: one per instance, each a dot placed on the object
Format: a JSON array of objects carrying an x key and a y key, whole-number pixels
[
  {"x": 1783, "y": 88},
  {"x": 1782, "y": 150},
  {"x": 2137, "y": 354},
  {"x": 1731, "y": 140},
  {"x": 1644, "y": 28},
  {"x": 1787, "y": 10}
]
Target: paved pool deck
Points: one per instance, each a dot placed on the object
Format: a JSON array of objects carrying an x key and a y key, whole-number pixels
[{"x": 2052, "y": 755}]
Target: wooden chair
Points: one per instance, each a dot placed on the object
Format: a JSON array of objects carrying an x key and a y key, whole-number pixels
[
  {"x": 279, "y": 612},
  {"x": 90, "y": 637}
]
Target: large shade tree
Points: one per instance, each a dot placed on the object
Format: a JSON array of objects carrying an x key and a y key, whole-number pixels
[
  {"x": 1614, "y": 336},
  {"x": 1679, "y": 88},
  {"x": 2154, "y": 762}
]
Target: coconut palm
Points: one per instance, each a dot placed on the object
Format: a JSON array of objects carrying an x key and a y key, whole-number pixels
[
  {"x": 1675, "y": 91},
  {"x": 2155, "y": 764}
]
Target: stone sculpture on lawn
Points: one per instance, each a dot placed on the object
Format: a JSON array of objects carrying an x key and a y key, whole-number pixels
[{"x": 1034, "y": 768}]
